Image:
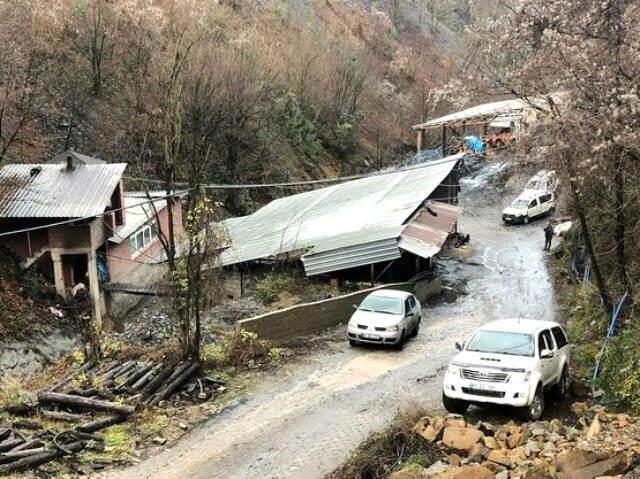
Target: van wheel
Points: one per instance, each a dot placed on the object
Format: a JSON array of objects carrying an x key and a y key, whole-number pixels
[
  {"x": 525, "y": 220},
  {"x": 561, "y": 388},
  {"x": 454, "y": 406},
  {"x": 534, "y": 411}
]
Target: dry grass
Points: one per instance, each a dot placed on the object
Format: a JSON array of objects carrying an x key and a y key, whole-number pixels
[{"x": 390, "y": 450}]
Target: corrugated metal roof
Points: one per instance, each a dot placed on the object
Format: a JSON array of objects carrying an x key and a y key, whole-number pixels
[
  {"x": 136, "y": 215},
  {"x": 343, "y": 215},
  {"x": 510, "y": 107},
  {"x": 425, "y": 234},
  {"x": 352, "y": 256},
  {"x": 55, "y": 192}
]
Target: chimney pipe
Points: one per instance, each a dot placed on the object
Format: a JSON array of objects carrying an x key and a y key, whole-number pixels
[{"x": 69, "y": 163}]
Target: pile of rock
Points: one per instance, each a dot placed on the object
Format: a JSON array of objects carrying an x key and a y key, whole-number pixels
[{"x": 597, "y": 444}]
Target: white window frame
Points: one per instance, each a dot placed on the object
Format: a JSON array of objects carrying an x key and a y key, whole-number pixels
[{"x": 142, "y": 239}]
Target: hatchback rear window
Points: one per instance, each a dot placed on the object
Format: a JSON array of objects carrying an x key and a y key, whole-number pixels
[
  {"x": 381, "y": 304},
  {"x": 501, "y": 342}
]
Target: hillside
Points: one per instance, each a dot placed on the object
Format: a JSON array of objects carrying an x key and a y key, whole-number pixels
[{"x": 273, "y": 90}]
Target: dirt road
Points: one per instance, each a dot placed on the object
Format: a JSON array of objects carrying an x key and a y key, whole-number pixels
[{"x": 307, "y": 420}]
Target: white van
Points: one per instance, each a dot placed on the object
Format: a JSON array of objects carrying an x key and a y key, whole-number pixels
[{"x": 529, "y": 205}]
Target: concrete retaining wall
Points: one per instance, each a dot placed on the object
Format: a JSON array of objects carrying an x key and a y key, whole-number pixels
[{"x": 310, "y": 318}]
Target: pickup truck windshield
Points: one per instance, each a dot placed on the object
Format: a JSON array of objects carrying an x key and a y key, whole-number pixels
[
  {"x": 500, "y": 342},
  {"x": 381, "y": 304}
]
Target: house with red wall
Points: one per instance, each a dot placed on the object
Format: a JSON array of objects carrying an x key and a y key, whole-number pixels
[{"x": 73, "y": 222}]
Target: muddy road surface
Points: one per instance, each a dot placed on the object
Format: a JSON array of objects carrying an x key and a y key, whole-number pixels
[{"x": 306, "y": 420}]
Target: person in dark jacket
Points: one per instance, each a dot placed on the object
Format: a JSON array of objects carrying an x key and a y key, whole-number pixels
[{"x": 548, "y": 236}]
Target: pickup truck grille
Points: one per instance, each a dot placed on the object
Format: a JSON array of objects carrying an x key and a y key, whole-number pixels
[
  {"x": 475, "y": 375},
  {"x": 479, "y": 392}
]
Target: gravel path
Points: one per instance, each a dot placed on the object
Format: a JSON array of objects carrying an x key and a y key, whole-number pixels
[{"x": 306, "y": 420}]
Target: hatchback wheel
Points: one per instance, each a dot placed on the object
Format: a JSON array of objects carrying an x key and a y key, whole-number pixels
[
  {"x": 353, "y": 343},
  {"x": 415, "y": 331},
  {"x": 400, "y": 344},
  {"x": 534, "y": 411},
  {"x": 525, "y": 220},
  {"x": 454, "y": 406}
]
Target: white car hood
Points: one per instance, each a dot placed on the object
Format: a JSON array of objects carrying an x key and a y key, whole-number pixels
[
  {"x": 514, "y": 211},
  {"x": 373, "y": 319},
  {"x": 489, "y": 360}
]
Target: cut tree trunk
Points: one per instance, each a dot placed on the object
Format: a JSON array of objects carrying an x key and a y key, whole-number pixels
[
  {"x": 40, "y": 458},
  {"x": 86, "y": 403},
  {"x": 99, "y": 424},
  {"x": 178, "y": 381},
  {"x": 63, "y": 416}
]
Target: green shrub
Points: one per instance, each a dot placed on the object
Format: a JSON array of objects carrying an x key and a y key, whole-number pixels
[
  {"x": 620, "y": 369},
  {"x": 268, "y": 288}
]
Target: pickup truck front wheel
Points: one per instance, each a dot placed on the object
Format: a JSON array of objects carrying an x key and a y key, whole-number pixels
[
  {"x": 534, "y": 411},
  {"x": 454, "y": 406}
]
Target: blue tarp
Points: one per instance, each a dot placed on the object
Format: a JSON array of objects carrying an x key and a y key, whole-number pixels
[{"x": 475, "y": 144}]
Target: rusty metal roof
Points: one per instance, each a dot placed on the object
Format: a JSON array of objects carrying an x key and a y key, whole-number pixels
[
  {"x": 52, "y": 191},
  {"x": 425, "y": 234}
]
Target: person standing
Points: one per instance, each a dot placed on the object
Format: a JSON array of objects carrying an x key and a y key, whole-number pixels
[{"x": 548, "y": 236}]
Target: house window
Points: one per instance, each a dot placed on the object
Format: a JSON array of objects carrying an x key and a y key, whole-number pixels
[{"x": 142, "y": 238}]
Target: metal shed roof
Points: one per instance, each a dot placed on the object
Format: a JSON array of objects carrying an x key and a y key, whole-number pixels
[
  {"x": 425, "y": 234},
  {"x": 486, "y": 110},
  {"x": 52, "y": 191},
  {"x": 346, "y": 217}
]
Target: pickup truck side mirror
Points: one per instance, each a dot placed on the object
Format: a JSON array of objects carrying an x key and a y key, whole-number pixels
[
  {"x": 546, "y": 354},
  {"x": 459, "y": 346}
]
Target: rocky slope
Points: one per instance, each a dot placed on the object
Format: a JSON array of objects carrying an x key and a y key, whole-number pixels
[{"x": 594, "y": 443}]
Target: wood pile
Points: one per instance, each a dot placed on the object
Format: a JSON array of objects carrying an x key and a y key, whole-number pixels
[{"x": 94, "y": 398}]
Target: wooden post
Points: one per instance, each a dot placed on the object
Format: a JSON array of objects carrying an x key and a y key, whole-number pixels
[
  {"x": 58, "y": 274},
  {"x": 94, "y": 289},
  {"x": 444, "y": 140}
]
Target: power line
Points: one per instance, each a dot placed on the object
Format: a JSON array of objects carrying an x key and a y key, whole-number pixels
[
  {"x": 226, "y": 186},
  {"x": 243, "y": 186}
]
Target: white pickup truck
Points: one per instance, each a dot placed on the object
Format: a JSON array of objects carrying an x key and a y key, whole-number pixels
[{"x": 509, "y": 362}]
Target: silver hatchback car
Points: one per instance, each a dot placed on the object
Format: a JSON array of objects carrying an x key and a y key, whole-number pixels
[{"x": 386, "y": 316}]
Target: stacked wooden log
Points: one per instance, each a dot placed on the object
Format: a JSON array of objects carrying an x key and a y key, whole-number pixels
[{"x": 93, "y": 398}]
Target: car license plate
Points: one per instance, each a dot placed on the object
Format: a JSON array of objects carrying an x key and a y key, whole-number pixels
[
  {"x": 483, "y": 386},
  {"x": 370, "y": 336}
]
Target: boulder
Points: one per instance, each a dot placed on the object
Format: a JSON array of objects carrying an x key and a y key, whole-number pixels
[
  {"x": 414, "y": 471},
  {"x": 429, "y": 428},
  {"x": 474, "y": 471},
  {"x": 454, "y": 420},
  {"x": 490, "y": 442},
  {"x": 461, "y": 438},
  {"x": 579, "y": 408},
  {"x": 594, "y": 428},
  {"x": 454, "y": 460},
  {"x": 434, "y": 470},
  {"x": 616, "y": 464},
  {"x": 500, "y": 457}
]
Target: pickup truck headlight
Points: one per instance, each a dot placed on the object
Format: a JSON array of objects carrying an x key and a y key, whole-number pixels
[
  {"x": 453, "y": 370},
  {"x": 393, "y": 328}
]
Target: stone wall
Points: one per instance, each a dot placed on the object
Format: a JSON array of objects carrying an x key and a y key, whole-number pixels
[{"x": 310, "y": 318}]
